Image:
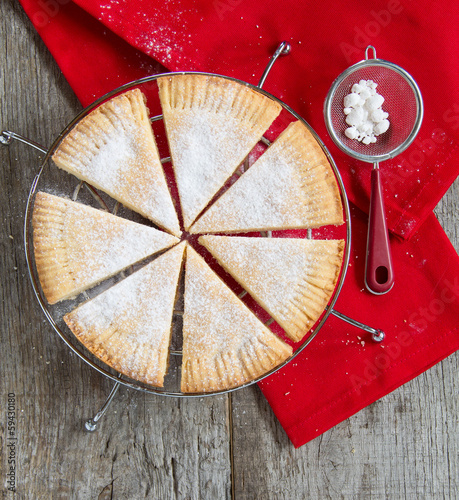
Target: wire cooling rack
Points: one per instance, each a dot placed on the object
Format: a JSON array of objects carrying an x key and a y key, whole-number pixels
[{"x": 49, "y": 179}]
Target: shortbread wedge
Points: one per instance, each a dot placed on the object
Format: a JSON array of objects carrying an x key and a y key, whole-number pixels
[
  {"x": 128, "y": 326},
  {"x": 291, "y": 186},
  {"x": 212, "y": 124},
  {"x": 224, "y": 344},
  {"x": 114, "y": 150},
  {"x": 291, "y": 278},
  {"x": 77, "y": 246}
]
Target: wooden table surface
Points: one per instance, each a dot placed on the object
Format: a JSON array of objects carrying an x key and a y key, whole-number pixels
[{"x": 404, "y": 446}]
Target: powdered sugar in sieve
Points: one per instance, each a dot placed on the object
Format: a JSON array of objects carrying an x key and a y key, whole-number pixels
[{"x": 402, "y": 101}]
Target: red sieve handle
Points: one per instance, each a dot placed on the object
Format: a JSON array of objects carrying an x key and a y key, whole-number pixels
[{"x": 379, "y": 276}]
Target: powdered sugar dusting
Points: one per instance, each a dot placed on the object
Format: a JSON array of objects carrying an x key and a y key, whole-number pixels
[
  {"x": 112, "y": 161},
  {"x": 208, "y": 151},
  {"x": 220, "y": 332},
  {"x": 280, "y": 272},
  {"x": 213, "y": 310},
  {"x": 130, "y": 323},
  {"x": 83, "y": 245},
  {"x": 212, "y": 124},
  {"x": 102, "y": 246},
  {"x": 113, "y": 149},
  {"x": 282, "y": 190},
  {"x": 264, "y": 196}
]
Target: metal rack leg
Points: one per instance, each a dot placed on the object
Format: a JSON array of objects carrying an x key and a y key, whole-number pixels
[
  {"x": 91, "y": 424},
  {"x": 282, "y": 50},
  {"x": 377, "y": 335},
  {"x": 7, "y": 137}
]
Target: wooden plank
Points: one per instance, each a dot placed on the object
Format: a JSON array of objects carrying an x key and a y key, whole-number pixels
[
  {"x": 147, "y": 446},
  {"x": 402, "y": 446}
]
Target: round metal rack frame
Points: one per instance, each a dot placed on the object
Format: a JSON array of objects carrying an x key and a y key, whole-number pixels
[{"x": 6, "y": 137}]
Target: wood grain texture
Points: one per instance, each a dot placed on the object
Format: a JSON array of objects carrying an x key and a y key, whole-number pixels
[
  {"x": 403, "y": 446},
  {"x": 146, "y": 446}
]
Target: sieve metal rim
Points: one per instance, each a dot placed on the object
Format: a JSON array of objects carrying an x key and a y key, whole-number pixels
[{"x": 330, "y": 96}]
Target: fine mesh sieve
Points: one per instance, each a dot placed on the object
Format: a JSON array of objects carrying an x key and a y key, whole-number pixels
[{"x": 403, "y": 102}]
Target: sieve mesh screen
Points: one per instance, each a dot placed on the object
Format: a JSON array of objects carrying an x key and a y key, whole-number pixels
[{"x": 399, "y": 101}]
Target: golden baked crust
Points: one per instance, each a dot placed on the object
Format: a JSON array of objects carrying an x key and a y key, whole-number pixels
[
  {"x": 212, "y": 124},
  {"x": 128, "y": 326},
  {"x": 291, "y": 186},
  {"x": 77, "y": 246},
  {"x": 113, "y": 149},
  {"x": 293, "y": 279},
  {"x": 224, "y": 344}
]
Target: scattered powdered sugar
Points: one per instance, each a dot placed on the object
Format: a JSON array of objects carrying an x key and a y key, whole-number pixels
[
  {"x": 152, "y": 31},
  {"x": 164, "y": 43}
]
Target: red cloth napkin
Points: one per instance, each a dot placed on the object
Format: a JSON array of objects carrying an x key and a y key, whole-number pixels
[
  {"x": 236, "y": 38},
  {"x": 342, "y": 370}
]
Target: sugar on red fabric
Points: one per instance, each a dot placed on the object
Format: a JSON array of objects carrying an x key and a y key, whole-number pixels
[{"x": 100, "y": 45}]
